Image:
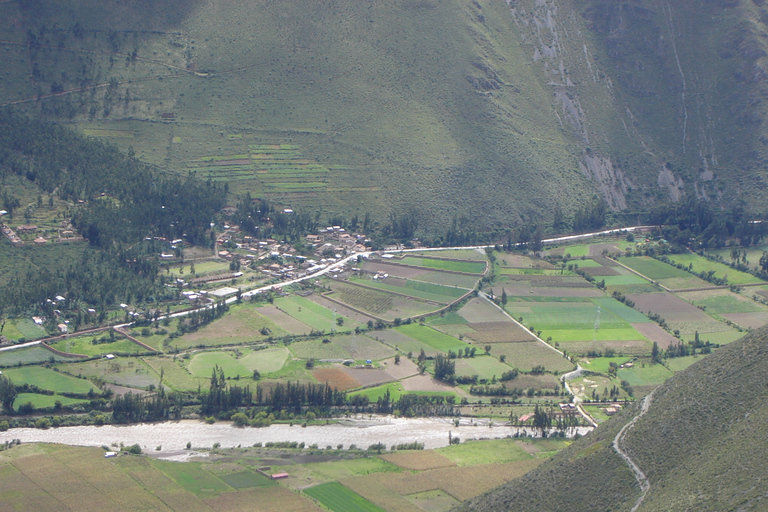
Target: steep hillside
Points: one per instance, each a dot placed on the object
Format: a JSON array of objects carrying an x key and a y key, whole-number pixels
[
  {"x": 436, "y": 108},
  {"x": 699, "y": 444}
]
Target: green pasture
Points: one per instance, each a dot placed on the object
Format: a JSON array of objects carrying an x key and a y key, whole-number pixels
[
  {"x": 417, "y": 289},
  {"x": 485, "y": 367},
  {"x": 722, "y": 301},
  {"x": 313, "y": 314},
  {"x": 702, "y": 264},
  {"x": 431, "y": 337},
  {"x": 30, "y": 355},
  {"x": 653, "y": 268},
  {"x": 85, "y": 345},
  {"x": 266, "y": 361},
  {"x": 45, "y": 378},
  {"x": 678, "y": 364},
  {"x": 536, "y": 271},
  {"x": 338, "y": 498},
  {"x": 175, "y": 375},
  {"x": 499, "y": 450},
  {"x": 754, "y": 253},
  {"x": 396, "y": 391},
  {"x": 17, "y": 328},
  {"x": 644, "y": 375},
  {"x": 357, "y": 347},
  {"x": 42, "y": 401},
  {"x": 585, "y": 263},
  {"x": 202, "y": 365},
  {"x": 601, "y": 364},
  {"x": 576, "y": 251},
  {"x": 469, "y": 267},
  {"x": 447, "y": 318},
  {"x": 334, "y": 470},
  {"x": 129, "y": 371}
]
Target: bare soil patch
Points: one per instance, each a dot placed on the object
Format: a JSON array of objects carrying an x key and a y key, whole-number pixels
[
  {"x": 284, "y": 320},
  {"x": 747, "y": 320},
  {"x": 600, "y": 271},
  {"x": 406, "y": 368},
  {"x": 479, "y": 310},
  {"x": 520, "y": 261},
  {"x": 598, "y": 249},
  {"x": 621, "y": 347},
  {"x": 670, "y": 307},
  {"x": 369, "y": 377},
  {"x": 336, "y": 378},
  {"x": 419, "y": 460},
  {"x": 605, "y": 261},
  {"x": 394, "y": 270},
  {"x": 655, "y": 333},
  {"x": 424, "y": 383},
  {"x": 499, "y": 332}
]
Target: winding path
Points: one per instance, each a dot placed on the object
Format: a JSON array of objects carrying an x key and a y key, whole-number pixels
[{"x": 642, "y": 479}]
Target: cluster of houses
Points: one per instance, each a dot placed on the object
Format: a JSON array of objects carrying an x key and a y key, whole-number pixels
[{"x": 67, "y": 235}]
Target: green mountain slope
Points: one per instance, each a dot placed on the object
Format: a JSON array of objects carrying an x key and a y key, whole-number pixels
[
  {"x": 491, "y": 109},
  {"x": 700, "y": 443}
]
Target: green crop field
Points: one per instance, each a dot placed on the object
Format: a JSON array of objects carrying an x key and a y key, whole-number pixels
[
  {"x": 417, "y": 289},
  {"x": 485, "y": 367},
  {"x": 654, "y": 269},
  {"x": 334, "y": 470},
  {"x": 49, "y": 379},
  {"x": 448, "y": 279},
  {"x": 455, "y": 266},
  {"x": 622, "y": 280},
  {"x": 30, "y": 355},
  {"x": 678, "y": 364},
  {"x": 458, "y": 254},
  {"x": 338, "y": 498},
  {"x": 431, "y": 337},
  {"x": 621, "y": 310},
  {"x": 192, "y": 477},
  {"x": 601, "y": 334},
  {"x": 84, "y": 345},
  {"x": 722, "y": 301},
  {"x": 568, "y": 315},
  {"x": 720, "y": 270},
  {"x": 313, "y": 314},
  {"x": 42, "y": 401},
  {"x": 499, "y": 450}
]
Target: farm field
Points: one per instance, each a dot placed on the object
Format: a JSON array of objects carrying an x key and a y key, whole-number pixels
[
  {"x": 526, "y": 355},
  {"x": 416, "y": 289},
  {"x": 313, "y": 314},
  {"x": 719, "y": 270},
  {"x": 485, "y": 367},
  {"x": 431, "y": 337},
  {"x": 499, "y": 450},
  {"x": 49, "y": 379},
  {"x": 653, "y": 268},
  {"x": 340, "y": 499},
  {"x": 240, "y": 325},
  {"x": 202, "y": 365},
  {"x": 753, "y": 254},
  {"x": 175, "y": 375},
  {"x": 645, "y": 375},
  {"x": 353, "y": 346},
  {"x": 23, "y": 328},
  {"x": 468, "y": 267},
  {"x": 454, "y": 254},
  {"x": 130, "y": 372},
  {"x": 30, "y": 355},
  {"x": 42, "y": 401},
  {"x": 92, "y": 346},
  {"x": 378, "y": 303}
]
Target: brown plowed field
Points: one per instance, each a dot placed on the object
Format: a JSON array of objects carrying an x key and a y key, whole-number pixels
[
  {"x": 406, "y": 368},
  {"x": 529, "y": 291},
  {"x": 369, "y": 377},
  {"x": 419, "y": 460},
  {"x": 600, "y": 271},
  {"x": 336, "y": 378},
  {"x": 670, "y": 307},
  {"x": 499, "y": 332},
  {"x": 655, "y": 333},
  {"x": 480, "y": 310},
  {"x": 284, "y": 320},
  {"x": 424, "y": 383}
]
